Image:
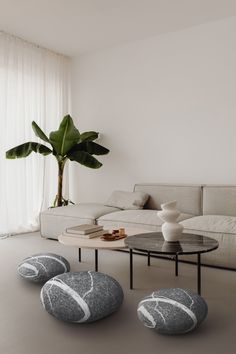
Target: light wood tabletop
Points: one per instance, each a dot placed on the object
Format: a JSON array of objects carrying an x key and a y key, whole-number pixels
[{"x": 97, "y": 242}]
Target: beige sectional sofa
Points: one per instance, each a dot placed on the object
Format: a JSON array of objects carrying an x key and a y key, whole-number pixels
[{"x": 208, "y": 210}]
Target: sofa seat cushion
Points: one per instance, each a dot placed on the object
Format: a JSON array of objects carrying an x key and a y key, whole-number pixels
[
  {"x": 211, "y": 223},
  {"x": 55, "y": 220},
  {"x": 145, "y": 219}
]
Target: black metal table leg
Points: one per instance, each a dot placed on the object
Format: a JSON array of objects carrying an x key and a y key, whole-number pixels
[
  {"x": 79, "y": 254},
  {"x": 96, "y": 260},
  {"x": 131, "y": 268},
  {"x": 199, "y": 273},
  {"x": 149, "y": 263},
  {"x": 176, "y": 265}
]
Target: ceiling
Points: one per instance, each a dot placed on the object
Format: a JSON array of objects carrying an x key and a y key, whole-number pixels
[{"x": 73, "y": 27}]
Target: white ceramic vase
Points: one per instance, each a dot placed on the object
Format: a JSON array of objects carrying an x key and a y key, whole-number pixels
[{"x": 171, "y": 229}]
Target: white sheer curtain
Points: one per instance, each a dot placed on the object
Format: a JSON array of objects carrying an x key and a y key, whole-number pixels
[{"x": 34, "y": 85}]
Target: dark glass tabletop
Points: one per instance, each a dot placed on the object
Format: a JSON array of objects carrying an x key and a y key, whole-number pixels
[{"x": 188, "y": 244}]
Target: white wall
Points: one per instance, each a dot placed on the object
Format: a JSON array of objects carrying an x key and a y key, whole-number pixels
[{"x": 166, "y": 107}]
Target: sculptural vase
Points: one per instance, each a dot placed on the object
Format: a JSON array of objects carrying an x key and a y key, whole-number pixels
[{"x": 171, "y": 229}]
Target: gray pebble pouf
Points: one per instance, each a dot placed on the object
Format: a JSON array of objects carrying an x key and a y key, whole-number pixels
[
  {"x": 81, "y": 296},
  {"x": 41, "y": 267},
  {"x": 172, "y": 311}
]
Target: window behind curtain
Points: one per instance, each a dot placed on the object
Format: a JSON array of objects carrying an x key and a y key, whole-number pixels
[{"x": 34, "y": 85}]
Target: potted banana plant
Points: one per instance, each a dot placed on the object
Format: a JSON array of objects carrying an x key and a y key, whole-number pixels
[{"x": 66, "y": 143}]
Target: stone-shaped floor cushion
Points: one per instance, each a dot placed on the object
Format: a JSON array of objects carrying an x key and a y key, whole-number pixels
[
  {"x": 172, "y": 311},
  {"x": 81, "y": 296},
  {"x": 41, "y": 267}
]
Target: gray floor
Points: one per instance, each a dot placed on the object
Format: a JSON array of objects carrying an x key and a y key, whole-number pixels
[{"x": 25, "y": 328}]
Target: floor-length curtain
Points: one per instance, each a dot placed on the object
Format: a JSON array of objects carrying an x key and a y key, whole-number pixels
[{"x": 34, "y": 85}]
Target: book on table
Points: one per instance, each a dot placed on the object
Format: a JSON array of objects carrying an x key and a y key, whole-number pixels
[
  {"x": 85, "y": 236},
  {"x": 84, "y": 229}
]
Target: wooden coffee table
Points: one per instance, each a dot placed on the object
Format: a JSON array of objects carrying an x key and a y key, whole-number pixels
[{"x": 96, "y": 243}]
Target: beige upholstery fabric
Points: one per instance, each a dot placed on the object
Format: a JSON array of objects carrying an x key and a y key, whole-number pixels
[
  {"x": 188, "y": 196},
  {"x": 221, "y": 228},
  {"x": 219, "y": 200},
  {"x": 224, "y": 256},
  {"x": 211, "y": 223},
  {"x": 54, "y": 221},
  {"x": 145, "y": 219},
  {"x": 127, "y": 200}
]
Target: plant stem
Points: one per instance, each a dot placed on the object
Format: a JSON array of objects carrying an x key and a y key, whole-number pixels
[{"x": 61, "y": 165}]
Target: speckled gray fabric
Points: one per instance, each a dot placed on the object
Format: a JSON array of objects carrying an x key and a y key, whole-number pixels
[
  {"x": 41, "y": 267},
  {"x": 172, "y": 311},
  {"x": 81, "y": 296}
]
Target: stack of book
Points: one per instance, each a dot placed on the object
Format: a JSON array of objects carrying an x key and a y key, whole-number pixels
[{"x": 84, "y": 231}]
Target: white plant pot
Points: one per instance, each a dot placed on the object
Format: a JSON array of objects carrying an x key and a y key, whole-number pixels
[{"x": 171, "y": 229}]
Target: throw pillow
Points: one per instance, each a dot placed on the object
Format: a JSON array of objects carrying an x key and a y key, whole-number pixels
[{"x": 127, "y": 200}]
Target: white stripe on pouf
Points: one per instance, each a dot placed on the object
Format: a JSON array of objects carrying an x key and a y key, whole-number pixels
[
  {"x": 43, "y": 266},
  {"x": 148, "y": 316},
  {"x": 80, "y": 301},
  {"x": 177, "y": 304},
  {"x": 50, "y": 257},
  {"x": 28, "y": 266},
  {"x": 91, "y": 289}
]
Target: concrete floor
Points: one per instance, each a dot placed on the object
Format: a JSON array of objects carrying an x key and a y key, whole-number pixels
[{"x": 25, "y": 328}]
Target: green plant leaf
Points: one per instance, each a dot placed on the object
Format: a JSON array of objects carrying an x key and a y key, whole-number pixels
[
  {"x": 84, "y": 158},
  {"x": 96, "y": 149},
  {"x": 65, "y": 137},
  {"x": 90, "y": 147},
  {"x": 39, "y": 133},
  {"x": 89, "y": 136},
  {"x": 25, "y": 150}
]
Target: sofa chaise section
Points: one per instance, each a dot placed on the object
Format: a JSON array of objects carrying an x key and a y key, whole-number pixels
[{"x": 219, "y": 222}]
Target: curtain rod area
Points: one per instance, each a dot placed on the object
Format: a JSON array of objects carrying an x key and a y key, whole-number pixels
[{"x": 2, "y": 32}]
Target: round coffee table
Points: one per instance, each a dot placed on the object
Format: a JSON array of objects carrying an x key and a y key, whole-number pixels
[{"x": 154, "y": 243}]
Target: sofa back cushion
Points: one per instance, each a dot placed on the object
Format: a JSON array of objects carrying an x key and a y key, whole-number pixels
[
  {"x": 188, "y": 197},
  {"x": 219, "y": 200}
]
